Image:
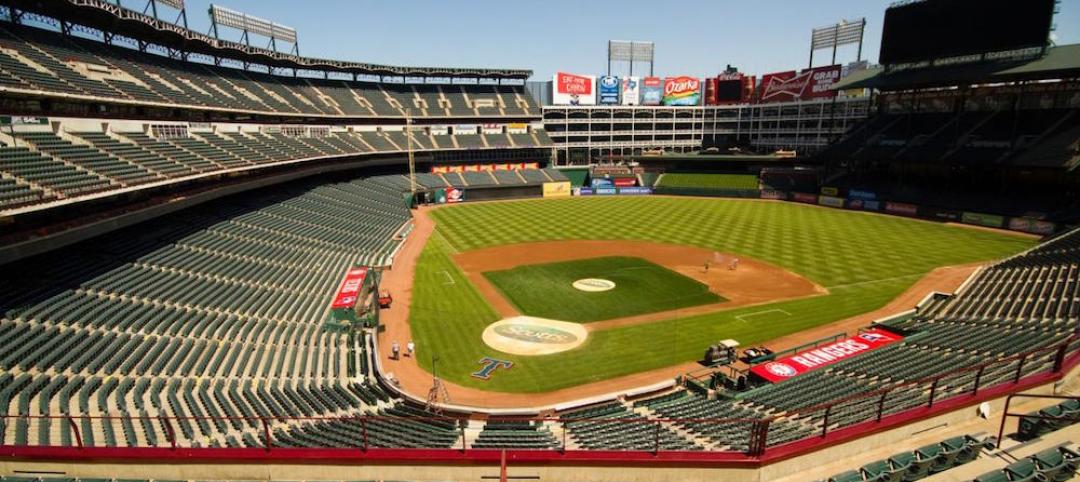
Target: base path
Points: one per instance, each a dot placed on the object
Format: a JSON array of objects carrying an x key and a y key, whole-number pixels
[
  {"x": 417, "y": 381},
  {"x": 753, "y": 282}
]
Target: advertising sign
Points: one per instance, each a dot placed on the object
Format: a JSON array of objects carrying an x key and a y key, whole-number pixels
[
  {"x": 942, "y": 214},
  {"x": 829, "y": 191},
  {"x": 572, "y": 89},
  {"x": 608, "y": 90},
  {"x": 825, "y": 355},
  {"x": 635, "y": 190},
  {"x": 980, "y": 219},
  {"x": 631, "y": 90},
  {"x": 860, "y": 194},
  {"x": 804, "y": 197},
  {"x": 809, "y": 84},
  {"x": 465, "y": 129},
  {"x": 682, "y": 91},
  {"x": 440, "y": 130},
  {"x": 517, "y": 128},
  {"x": 831, "y": 201},
  {"x": 652, "y": 90},
  {"x": 601, "y": 182},
  {"x": 491, "y": 128},
  {"x": 557, "y": 189},
  {"x": 454, "y": 195},
  {"x": 902, "y": 208},
  {"x": 1031, "y": 226},
  {"x": 864, "y": 204},
  {"x": 773, "y": 194},
  {"x": 350, "y": 288},
  {"x": 625, "y": 181}
]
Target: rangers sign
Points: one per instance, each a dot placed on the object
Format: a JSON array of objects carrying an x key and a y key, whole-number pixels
[
  {"x": 350, "y": 288},
  {"x": 825, "y": 355}
]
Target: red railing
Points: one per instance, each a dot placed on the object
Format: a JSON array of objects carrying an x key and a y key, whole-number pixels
[
  {"x": 834, "y": 422},
  {"x": 1006, "y": 414}
]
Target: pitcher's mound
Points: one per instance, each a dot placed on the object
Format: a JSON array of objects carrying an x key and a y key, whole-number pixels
[{"x": 527, "y": 335}]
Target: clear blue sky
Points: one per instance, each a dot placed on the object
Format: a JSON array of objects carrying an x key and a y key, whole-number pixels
[{"x": 695, "y": 37}]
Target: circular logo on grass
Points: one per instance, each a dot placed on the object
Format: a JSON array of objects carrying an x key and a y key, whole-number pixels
[
  {"x": 528, "y": 335},
  {"x": 594, "y": 285},
  {"x": 535, "y": 333}
]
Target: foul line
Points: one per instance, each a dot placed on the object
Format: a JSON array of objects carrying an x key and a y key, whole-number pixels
[
  {"x": 453, "y": 249},
  {"x": 756, "y": 313},
  {"x": 882, "y": 280}
]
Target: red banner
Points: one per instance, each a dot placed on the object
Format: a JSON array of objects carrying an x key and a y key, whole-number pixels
[
  {"x": 571, "y": 84},
  {"x": 624, "y": 181},
  {"x": 902, "y": 208},
  {"x": 350, "y": 288},
  {"x": 809, "y": 84},
  {"x": 825, "y": 355},
  {"x": 804, "y": 197}
]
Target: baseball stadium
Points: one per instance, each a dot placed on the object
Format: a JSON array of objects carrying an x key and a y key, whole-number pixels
[{"x": 222, "y": 260}]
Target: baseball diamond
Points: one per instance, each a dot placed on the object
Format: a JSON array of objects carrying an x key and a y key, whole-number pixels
[{"x": 882, "y": 257}]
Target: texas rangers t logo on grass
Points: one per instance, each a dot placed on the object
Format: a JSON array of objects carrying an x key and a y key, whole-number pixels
[{"x": 490, "y": 365}]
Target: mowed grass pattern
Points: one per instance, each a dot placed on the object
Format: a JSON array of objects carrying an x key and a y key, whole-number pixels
[
  {"x": 546, "y": 290},
  {"x": 865, "y": 260},
  {"x": 714, "y": 181}
]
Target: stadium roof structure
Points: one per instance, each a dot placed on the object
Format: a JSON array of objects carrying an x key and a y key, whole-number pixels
[
  {"x": 115, "y": 19},
  {"x": 1059, "y": 62}
]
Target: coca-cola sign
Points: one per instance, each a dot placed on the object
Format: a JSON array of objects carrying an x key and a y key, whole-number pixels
[{"x": 682, "y": 91}]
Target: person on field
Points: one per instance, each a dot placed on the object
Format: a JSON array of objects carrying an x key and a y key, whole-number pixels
[
  {"x": 410, "y": 347},
  {"x": 734, "y": 264},
  {"x": 706, "y": 266},
  {"x": 395, "y": 351}
]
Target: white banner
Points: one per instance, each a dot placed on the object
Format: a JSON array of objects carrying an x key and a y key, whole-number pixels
[{"x": 631, "y": 90}]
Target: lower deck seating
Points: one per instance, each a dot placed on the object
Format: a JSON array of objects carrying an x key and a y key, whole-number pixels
[{"x": 917, "y": 464}]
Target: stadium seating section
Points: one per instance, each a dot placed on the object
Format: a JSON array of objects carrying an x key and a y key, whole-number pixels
[
  {"x": 43, "y": 61},
  {"x": 44, "y": 166},
  {"x": 917, "y": 464}
]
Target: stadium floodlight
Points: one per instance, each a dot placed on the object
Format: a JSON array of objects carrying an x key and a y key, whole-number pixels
[
  {"x": 843, "y": 33},
  {"x": 177, "y": 4},
  {"x": 630, "y": 51},
  {"x": 250, "y": 24},
  {"x": 152, "y": 5}
]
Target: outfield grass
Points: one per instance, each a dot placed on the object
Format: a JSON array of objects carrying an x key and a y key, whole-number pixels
[
  {"x": 864, "y": 260},
  {"x": 546, "y": 290}
]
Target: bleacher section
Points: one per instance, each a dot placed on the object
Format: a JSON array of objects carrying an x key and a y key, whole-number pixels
[
  {"x": 43, "y": 61},
  {"x": 160, "y": 321},
  {"x": 47, "y": 166}
]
